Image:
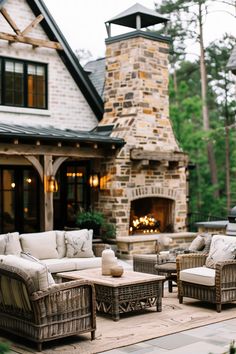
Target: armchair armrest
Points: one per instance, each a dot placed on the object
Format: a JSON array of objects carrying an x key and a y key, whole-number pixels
[
  {"x": 73, "y": 299},
  {"x": 226, "y": 274},
  {"x": 191, "y": 260}
]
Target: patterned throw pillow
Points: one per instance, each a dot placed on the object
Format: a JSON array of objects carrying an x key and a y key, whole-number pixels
[
  {"x": 31, "y": 258},
  {"x": 79, "y": 244},
  {"x": 223, "y": 248},
  {"x": 197, "y": 244}
]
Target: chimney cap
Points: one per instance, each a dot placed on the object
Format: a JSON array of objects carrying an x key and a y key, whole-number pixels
[{"x": 147, "y": 17}]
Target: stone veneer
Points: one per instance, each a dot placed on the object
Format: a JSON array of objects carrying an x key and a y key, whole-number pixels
[{"x": 137, "y": 104}]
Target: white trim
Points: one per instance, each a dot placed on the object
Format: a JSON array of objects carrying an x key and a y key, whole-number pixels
[{"x": 23, "y": 110}]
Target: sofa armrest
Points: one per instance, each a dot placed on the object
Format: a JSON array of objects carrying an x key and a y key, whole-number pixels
[{"x": 68, "y": 300}]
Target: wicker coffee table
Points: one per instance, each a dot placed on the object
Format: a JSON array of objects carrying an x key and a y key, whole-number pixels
[{"x": 131, "y": 292}]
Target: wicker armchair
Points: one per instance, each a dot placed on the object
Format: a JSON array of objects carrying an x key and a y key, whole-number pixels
[
  {"x": 222, "y": 291},
  {"x": 63, "y": 310}
]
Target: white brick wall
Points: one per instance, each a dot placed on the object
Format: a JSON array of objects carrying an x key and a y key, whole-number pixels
[{"x": 67, "y": 107}]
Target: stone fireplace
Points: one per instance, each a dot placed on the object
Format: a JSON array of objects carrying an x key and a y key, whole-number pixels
[{"x": 148, "y": 177}]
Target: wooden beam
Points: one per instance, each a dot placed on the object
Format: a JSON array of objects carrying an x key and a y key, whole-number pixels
[
  {"x": 10, "y": 21},
  {"x": 32, "y": 25},
  {"x": 35, "y": 162},
  {"x": 140, "y": 154},
  {"x": 66, "y": 151},
  {"x": 32, "y": 41}
]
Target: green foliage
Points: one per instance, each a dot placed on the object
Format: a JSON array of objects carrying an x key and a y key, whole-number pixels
[
  {"x": 186, "y": 116},
  {"x": 4, "y": 348},
  {"x": 96, "y": 221}
]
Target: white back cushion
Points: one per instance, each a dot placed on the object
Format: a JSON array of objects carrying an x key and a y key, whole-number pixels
[
  {"x": 41, "y": 245},
  {"x": 222, "y": 248}
]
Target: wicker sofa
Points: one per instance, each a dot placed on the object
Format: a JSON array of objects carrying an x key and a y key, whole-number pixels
[
  {"x": 211, "y": 277},
  {"x": 42, "y": 315}
]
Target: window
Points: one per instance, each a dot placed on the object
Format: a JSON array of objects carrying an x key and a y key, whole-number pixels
[{"x": 23, "y": 84}]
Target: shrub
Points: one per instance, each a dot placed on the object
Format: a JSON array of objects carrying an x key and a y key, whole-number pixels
[{"x": 96, "y": 221}]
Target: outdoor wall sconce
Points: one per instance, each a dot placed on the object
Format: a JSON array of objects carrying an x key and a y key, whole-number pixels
[
  {"x": 52, "y": 184},
  {"x": 94, "y": 180}
]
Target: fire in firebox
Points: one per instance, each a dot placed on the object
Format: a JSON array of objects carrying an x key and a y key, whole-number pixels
[{"x": 146, "y": 224}]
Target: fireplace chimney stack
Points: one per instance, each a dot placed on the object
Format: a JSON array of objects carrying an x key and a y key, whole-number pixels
[{"x": 136, "y": 104}]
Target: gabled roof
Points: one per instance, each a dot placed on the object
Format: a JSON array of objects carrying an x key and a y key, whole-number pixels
[
  {"x": 128, "y": 18},
  {"x": 96, "y": 70},
  {"x": 231, "y": 65},
  {"x": 99, "y": 135},
  {"x": 67, "y": 55}
]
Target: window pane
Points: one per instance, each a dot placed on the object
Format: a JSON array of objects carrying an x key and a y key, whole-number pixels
[
  {"x": 14, "y": 87},
  {"x": 36, "y": 86}
]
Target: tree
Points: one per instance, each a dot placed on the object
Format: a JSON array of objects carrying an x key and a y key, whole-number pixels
[{"x": 191, "y": 15}]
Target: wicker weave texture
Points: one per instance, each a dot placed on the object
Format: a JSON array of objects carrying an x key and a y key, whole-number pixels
[
  {"x": 145, "y": 263},
  {"x": 225, "y": 281},
  {"x": 133, "y": 297},
  {"x": 62, "y": 310}
]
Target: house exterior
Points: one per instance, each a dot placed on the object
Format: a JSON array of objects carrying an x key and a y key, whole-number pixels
[
  {"x": 61, "y": 123},
  {"x": 48, "y": 111}
]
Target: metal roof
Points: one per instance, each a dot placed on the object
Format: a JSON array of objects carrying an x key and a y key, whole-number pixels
[
  {"x": 128, "y": 18},
  {"x": 49, "y": 133},
  {"x": 231, "y": 65}
]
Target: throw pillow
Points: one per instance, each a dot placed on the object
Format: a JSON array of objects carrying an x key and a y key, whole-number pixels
[
  {"x": 42, "y": 245},
  {"x": 197, "y": 244},
  {"x": 13, "y": 245},
  {"x": 207, "y": 239},
  {"x": 34, "y": 259},
  {"x": 223, "y": 248},
  {"x": 2, "y": 244},
  {"x": 79, "y": 244}
]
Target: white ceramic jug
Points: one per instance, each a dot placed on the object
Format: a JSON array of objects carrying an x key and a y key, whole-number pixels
[{"x": 108, "y": 261}]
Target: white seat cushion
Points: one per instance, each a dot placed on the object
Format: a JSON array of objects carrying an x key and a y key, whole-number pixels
[
  {"x": 86, "y": 263},
  {"x": 198, "y": 275},
  {"x": 57, "y": 265},
  {"x": 69, "y": 264}
]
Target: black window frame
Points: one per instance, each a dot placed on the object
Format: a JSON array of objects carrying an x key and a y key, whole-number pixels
[{"x": 25, "y": 63}]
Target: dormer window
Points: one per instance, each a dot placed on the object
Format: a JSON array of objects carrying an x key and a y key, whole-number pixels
[{"x": 23, "y": 84}]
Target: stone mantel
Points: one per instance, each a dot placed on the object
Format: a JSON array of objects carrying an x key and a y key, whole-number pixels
[
  {"x": 129, "y": 245},
  {"x": 153, "y": 237}
]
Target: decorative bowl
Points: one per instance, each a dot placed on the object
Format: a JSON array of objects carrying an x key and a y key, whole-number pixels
[{"x": 117, "y": 271}]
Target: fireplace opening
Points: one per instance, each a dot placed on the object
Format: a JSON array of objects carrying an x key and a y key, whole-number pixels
[{"x": 151, "y": 215}]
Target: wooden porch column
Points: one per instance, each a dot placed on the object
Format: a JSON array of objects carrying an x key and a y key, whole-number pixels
[{"x": 48, "y": 196}]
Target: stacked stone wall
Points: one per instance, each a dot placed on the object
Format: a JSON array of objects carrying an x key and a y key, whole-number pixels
[{"x": 137, "y": 104}]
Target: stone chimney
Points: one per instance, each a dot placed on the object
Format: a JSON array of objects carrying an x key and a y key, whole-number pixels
[{"x": 150, "y": 170}]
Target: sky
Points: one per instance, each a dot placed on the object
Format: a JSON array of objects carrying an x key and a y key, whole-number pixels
[{"x": 82, "y": 22}]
